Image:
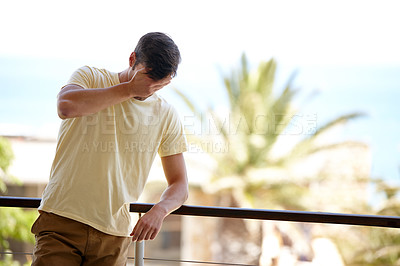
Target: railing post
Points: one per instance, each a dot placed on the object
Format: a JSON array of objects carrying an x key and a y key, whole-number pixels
[{"x": 139, "y": 251}]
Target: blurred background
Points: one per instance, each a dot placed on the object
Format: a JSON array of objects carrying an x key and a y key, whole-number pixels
[{"x": 286, "y": 105}]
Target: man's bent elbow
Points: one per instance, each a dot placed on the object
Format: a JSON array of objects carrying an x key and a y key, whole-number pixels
[{"x": 64, "y": 109}]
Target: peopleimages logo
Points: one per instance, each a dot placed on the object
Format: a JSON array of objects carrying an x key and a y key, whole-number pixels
[
  {"x": 207, "y": 131},
  {"x": 282, "y": 124},
  {"x": 207, "y": 124}
]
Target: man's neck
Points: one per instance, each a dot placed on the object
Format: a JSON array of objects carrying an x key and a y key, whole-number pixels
[{"x": 124, "y": 76}]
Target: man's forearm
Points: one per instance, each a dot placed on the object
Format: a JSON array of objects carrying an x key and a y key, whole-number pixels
[
  {"x": 177, "y": 191},
  {"x": 173, "y": 198},
  {"x": 74, "y": 101}
]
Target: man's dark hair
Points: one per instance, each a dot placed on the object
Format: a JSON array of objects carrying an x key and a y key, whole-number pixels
[{"x": 159, "y": 54}]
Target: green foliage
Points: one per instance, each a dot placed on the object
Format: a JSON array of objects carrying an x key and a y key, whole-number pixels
[
  {"x": 15, "y": 223},
  {"x": 7, "y": 260},
  {"x": 6, "y": 157},
  {"x": 383, "y": 248},
  {"x": 6, "y": 154},
  {"x": 383, "y": 245}
]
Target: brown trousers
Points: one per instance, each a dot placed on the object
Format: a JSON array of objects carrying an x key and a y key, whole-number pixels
[{"x": 62, "y": 241}]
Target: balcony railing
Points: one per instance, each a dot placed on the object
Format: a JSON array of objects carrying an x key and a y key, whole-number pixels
[{"x": 238, "y": 213}]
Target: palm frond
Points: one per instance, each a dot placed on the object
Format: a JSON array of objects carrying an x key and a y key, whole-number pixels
[
  {"x": 281, "y": 109},
  {"x": 230, "y": 91},
  {"x": 266, "y": 78},
  {"x": 308, "y": 146},
  {"x": 337, "y": 121},
  {"x": 244, "y": 69},
  {"x": 221, "y": 126},
  {"x": 188, "y": 102}
]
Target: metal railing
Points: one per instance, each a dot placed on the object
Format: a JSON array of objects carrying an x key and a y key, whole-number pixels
[
  {"x": 242, "y": 213},
  {"x": 238, "y": 213}
]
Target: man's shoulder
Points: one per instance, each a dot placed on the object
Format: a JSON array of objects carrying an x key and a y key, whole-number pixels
[{"x": 94, "y": 70}]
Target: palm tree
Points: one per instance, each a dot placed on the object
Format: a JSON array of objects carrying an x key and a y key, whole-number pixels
[{"x": 252, "y": 173}]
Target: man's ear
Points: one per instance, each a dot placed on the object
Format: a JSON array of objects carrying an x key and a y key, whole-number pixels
[{"x": 132, "y": 59}]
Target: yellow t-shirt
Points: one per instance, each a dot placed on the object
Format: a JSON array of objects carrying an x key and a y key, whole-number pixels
[{"x": 103, "y": 160}]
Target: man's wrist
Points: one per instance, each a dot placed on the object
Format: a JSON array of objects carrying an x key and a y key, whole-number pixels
[{"x": 160, "y": 209}]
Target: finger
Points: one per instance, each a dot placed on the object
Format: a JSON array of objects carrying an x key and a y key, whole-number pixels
[
  {"x": 159, "y": 86},
  {"x": 148, "y": 235},
  {"x": 163, "y": 82},
  {"x": 153, "y": 235},
  {"x": 166, "y": 83},
  {"x": 137, "y": 237},
  {"x": 139, "y": 71},
  {"x": 142, "y": 236},
  {"x": 141, "y": 232},
  {"x": 136, "y": 234},
  {"x": 135, "y": 229},
  {"x": 166, "y": 80}
]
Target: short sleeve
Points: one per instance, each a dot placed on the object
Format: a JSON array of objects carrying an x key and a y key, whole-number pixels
[
  {"x": 173, "y": 140},
  {"x": 83, "y": 77}
]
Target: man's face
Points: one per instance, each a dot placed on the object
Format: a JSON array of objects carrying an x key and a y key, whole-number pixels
[{"x": 140, "y": 69}]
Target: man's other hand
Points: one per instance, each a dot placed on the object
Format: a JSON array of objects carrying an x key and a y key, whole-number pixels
[{"x": 149, "y": 225}]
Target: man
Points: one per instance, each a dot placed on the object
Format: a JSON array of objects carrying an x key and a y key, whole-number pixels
[{"x": 113, "y": 126}]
